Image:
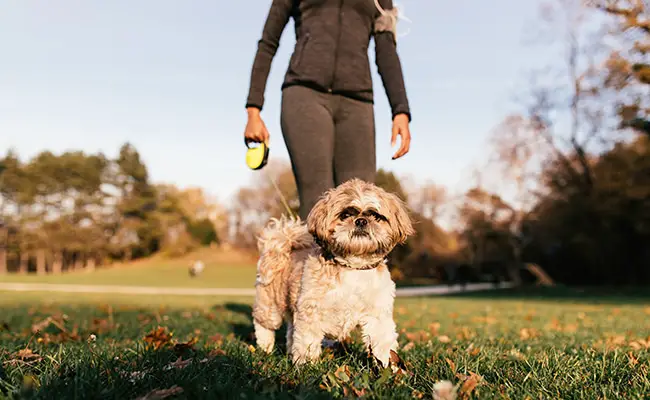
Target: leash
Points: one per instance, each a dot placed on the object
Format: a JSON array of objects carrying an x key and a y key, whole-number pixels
[{"x": 285, "y": 203}]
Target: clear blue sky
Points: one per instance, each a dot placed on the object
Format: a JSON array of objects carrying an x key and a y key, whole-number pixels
[{"x": 172, "y": 78}]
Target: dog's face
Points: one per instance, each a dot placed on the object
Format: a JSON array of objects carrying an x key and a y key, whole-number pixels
[{"x": 359, "y": 223}]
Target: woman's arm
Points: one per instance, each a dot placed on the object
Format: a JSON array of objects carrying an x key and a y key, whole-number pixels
[
  {"x": 276, "y": 20},
  {"x": 389, "y": 65}
]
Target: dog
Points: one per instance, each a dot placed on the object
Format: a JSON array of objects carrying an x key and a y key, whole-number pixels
[
  {"x": 196, "y": 267},
  {"x": 329, "y": 275}
]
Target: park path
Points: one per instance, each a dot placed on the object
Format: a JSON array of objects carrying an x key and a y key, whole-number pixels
[{"x": 186, "y": 291}]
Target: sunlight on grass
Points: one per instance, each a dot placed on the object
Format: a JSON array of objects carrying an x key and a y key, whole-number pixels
[{"x": 196, "y": 347}]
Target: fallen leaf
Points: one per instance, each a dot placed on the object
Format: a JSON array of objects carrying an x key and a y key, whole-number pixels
[
  {"x": 473, "y": 351},
  {"x": 27, "y": 355},
  {"x": 216, "y": 353},
  {"x": 452, "y": 365},
  {"x": 178, "y": 364},
  {"x": 444, "y": 339},
  {"x": 528, "y": 333},
  {"x": 158, "y": 394},
  {"x": 216, "y": 339},
  {"x": 434, "y": 328},
  {"x": 470, "y": 383},
  {"x": 158, "y": 338},
  {"x": 189, "y": 345},
  {"x": 632, "y": 359},
  {"x": 342, "y": 373}
]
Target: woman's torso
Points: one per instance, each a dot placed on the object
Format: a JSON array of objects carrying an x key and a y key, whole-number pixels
[{"x": 331, "y": 52}]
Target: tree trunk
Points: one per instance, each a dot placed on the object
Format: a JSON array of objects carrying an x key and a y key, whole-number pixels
[
  {"x": 24, "y": 262},
  {"x": 57, "y": 263},
  {"x": 127, "y": 255},
  {"x": 90, "y": 264},
  {"x": 78, "y": 262},
  {"x": 41, "y": 262},
  {"x": 3, "y": 250},
  {"x": 3, "y": 260}
]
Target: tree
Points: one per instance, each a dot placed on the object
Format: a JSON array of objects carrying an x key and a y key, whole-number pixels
[
  {"x": 389, "y": 182},
  {"x": 628, "y": 68},
  {"x": 137, "y": 230},
  {"x": 272, "y": 193}
]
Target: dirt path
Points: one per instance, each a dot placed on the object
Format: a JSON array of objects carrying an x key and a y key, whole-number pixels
[{"x": 146, "y": 290}]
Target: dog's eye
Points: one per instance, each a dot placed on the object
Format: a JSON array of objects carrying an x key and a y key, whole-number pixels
[
  {"x": 377, "y": 216},
  {"x": 347, "y": 213}
]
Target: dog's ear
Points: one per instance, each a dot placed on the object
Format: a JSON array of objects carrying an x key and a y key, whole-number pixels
[
  {"x": 401, "y": 221},
  {"x": 318, "y": 222}
]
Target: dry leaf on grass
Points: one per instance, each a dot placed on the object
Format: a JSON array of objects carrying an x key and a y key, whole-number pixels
[
  {"x": 189, "y": 345},
  {"x": 158, "y": 338},
  {"x": 434, "y": 327},
  {"x": 158, "y": 394},
  {"x": 470, "y": 383},
  {"x": 178, "y": 364},
  {"x": 528, "y": 333},
  {"x": 452, "y": 365},
  {"x": 444, "y": 339},
  {"x": 408, "y": 346},
  {"x": 632, "y": 359},
  {"x": 27, "y": 354}
]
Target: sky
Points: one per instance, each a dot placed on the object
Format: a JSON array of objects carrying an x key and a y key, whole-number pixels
[{"x": 172, "y": 78}]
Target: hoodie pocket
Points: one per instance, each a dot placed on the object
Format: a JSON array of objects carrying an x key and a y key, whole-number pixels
[{"x": 298, "y": 52}]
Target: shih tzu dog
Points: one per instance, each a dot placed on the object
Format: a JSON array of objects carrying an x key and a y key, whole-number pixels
[{"x": 328, "y": 276}]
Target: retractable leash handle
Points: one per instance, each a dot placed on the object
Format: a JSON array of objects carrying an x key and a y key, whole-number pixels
[{"x": 256, "y": 156}]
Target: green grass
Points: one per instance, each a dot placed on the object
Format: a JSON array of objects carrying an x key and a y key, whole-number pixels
[
  {"x": 157, "y": 273},
  {"x": 546, "y": 346}
]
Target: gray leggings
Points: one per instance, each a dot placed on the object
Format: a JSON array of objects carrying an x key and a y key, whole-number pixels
[{"x": 330, "y": 139}]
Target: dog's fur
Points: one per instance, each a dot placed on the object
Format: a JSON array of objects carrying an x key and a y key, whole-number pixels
[{"x": 328, "y": 276}]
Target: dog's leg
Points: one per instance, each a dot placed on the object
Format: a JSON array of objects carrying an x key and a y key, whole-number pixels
[
  {"x": 307, "y": 338},
  {"x": 380, "y": 335},
  {"x": 265, "y": 337}
]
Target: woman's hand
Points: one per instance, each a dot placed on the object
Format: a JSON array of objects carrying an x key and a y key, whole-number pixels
[
  {"x": 256, "y": 131},
  {"x": 401, "y": 128}
]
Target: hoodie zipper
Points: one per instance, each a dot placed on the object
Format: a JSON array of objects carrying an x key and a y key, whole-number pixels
[{"x": 338, "y": 44}]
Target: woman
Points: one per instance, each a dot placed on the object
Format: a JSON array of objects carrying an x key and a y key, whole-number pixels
[{"x": 327, "y": 112}]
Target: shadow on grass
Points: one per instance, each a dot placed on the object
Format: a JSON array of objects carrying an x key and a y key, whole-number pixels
[
  {"x": 592, "y": 295},
  {"x": 233, "y": 374},
  {"x": 243, "y": 331}
]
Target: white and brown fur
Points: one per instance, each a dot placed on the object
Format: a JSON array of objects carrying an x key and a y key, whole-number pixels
[{"x": 328, "y": 276}]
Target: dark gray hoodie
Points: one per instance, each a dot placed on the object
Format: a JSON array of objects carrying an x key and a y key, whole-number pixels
[{"x": 331, "y": 52}]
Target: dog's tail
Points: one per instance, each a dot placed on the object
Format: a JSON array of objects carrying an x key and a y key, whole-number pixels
[{"x": 276, "y": 243}]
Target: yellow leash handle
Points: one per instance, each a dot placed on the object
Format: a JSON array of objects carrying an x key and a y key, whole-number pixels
[{"x": 256, "y": 156}]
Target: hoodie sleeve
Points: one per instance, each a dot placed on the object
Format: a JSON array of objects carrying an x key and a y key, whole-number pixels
[
  {"x": 387, "y": 60},
  {"x": 276, "y": 21}
]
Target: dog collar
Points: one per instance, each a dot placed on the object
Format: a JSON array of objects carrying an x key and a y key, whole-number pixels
[{"x": 345, "y": 264}]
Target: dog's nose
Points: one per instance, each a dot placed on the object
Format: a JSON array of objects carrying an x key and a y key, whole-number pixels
[{"x": 361, "y": 222}]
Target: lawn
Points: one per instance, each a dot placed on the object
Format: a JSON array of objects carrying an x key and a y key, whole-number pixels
[
  {"x": 221, "y": 271},
  {"x": 542, "y": 345}
]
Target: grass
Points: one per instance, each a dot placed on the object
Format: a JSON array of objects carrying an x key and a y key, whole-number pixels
[
  {"x": 233, "y": 272},
  {"x": 548, "y": 345}
]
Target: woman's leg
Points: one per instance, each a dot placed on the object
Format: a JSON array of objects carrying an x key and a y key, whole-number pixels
[
  {"x": 354, "y": 148},
  {"x": 308, "y": 129}
]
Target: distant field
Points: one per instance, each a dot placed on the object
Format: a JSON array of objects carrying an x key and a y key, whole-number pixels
[{"x": 221, "y": 271}]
